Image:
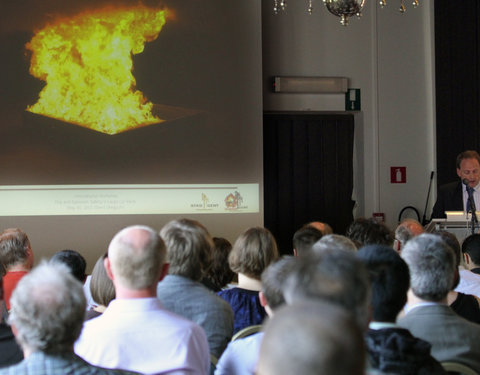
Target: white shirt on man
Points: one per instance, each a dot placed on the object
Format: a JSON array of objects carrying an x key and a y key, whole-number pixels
[{"x": 140, "y": 335}]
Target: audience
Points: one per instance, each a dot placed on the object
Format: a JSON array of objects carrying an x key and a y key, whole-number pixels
[
  {"x": 241, "y": 355},
  {"x": 252, "y": 252},
  {"x": 334, "y": 242},
  {"x": 407, "y": 229},
  {"x": 46, "y": 317},
  {"x": 219, "y": 274},
  {"x": 432, "y": 269},
  {"x": 465, "y": 305},
  {"x": 469, "y": 277},
  {"x": 10, "y": 352},
  {"x": 16, "y": 256},
  {"x": 74, "y": 261},
  {"x": 101, "y": 289},
  {"x": 189, "y": 249},
  {"x": 304, "y": 238},
  {"x": 136, "y": 332},
  {"x": 312, "y": 337},
  {"x": 391, "y": 349},
  {"x": 369, "y": 232}
]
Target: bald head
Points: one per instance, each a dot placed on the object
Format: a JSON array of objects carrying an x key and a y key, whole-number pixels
[{"x": 136, "y": 255}]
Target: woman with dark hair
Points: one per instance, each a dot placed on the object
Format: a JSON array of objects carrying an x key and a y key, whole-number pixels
[
  {"x": 101, "y": 288},
  {"x": 219, "y": 274}
]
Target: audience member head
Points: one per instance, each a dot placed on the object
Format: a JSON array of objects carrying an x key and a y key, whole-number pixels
[
  {"x": 333, "y": 275},
  {"x": 101, "y": 287},
  {"x": 335, "y": 242},
  {"x": 189, "y": 248},
  {"x": 471, "y": 251},
  {"x": 364, "y": 232},
  {"x": 322, "y": 227},
  {"x": 304, "y": 238},
  {"x": 252, "y": 252},
  {"x": 390, "y": 280},
  {"x": 468, "y": 167},
  {"x": 273, "y": 280},
  {"x": 407, "y": 229},
  {"x": 74, "y": 261},
  {"x": 15, "y": 249},
  {"x": 47, "y": 309},
  {"x": 220, "y": 274},
  {"x": 452, "y": 241},
  {"x": 432, "y": 267},
  {"x": 136, "y": 255},
  {"x": 312, "y": 337}
]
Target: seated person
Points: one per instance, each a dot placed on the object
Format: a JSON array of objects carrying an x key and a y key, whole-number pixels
[
  {"x": 46, "y": 317},
  {"x": 189, "y": 252},
  {"x": 17, "y": 259},
  {"x": 219, "y": 274},
  {"x": 101, "y": 289},
  {"x": 252, "y": 252},
  {"x": 465, "y": 305},
  {"x": 364, "y": 232},
  {"x": 432, "y": 270},
  {"x": 391, "y": 349},
  {"x": 241, "y": 355},
  {"x": 74, "y": 261},
  {"x": 312, "y": 337},
  {"x": 10, "y": 352},
  {"x": 304, "y": 238}
]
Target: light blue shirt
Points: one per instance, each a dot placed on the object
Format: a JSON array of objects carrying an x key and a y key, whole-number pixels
[{"x": 241, "y": 356}]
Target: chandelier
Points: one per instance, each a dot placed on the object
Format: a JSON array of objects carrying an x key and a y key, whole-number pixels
[{"x": 340, "y": 8}]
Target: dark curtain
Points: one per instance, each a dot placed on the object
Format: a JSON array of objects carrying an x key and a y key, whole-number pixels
[
  {"x": 457, "y": 77},
  {"x": 308, "y": 172}
]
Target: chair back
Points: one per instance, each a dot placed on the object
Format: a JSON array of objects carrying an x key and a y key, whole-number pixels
[
  {"x": 458, "y": 368},
  {"x": 247, "y": 331}
]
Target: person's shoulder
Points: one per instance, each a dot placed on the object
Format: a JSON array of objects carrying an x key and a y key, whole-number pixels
[{"x": 449, "y": 187}]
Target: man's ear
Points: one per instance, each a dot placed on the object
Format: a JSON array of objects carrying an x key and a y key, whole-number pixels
[
  {"x": 263, "y": 299},
  {"x": 164, "y": 271},
  {"x": 14, "y": 329},
  {"x": 108, "y": 268},
  {"x": 466, "y": 258},
  {"x": 295, "y": 252}
]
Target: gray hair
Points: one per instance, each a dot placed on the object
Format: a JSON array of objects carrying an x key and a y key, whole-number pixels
[
  {"x": 333, "y": 275},
  {"x": 432, "y": 266},
  {"x": 136, "y": 255},
  {"x": 189, "y": 248},
  {"x": 335, "y": 242},
  {"x": 47, "y": 309},
  {"x": 14, "y": 246},
  {"x": 312, "y": 337}
]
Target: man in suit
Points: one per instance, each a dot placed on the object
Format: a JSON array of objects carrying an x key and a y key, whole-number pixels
[
  {"x": 432, "y": 268},
  {"x": 47, "y": 313},
  {"x": 453, "y": 196}
]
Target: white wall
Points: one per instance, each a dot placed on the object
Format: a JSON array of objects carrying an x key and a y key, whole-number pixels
[{"x": 390, "y": 57}]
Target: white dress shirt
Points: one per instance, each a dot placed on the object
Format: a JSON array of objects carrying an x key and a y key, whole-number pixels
[
  {"x": 469, "y": 283},
  {"x": 139, "y": 335},
  {"x": 476, "y": 197}
]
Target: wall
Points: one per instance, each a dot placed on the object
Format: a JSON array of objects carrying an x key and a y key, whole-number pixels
[{"x": 389, "y": 56}]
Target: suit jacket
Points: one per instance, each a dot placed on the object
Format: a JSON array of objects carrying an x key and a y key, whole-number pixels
[
  {"x": 449, "y": 198},
  {"x": 452, "y": 337},
  {"x": 194, "y": 301},
  {"x": 40, "y": 363}
]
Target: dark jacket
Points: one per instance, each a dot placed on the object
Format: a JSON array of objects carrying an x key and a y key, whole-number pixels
[
  {"x": 396, "y": 351},
  {"x": 449, "y": 198},
  {"x": 10, "y": 352}
]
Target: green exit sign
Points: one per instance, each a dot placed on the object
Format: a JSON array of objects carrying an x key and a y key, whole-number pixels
[{"x": 352, "y": 100}]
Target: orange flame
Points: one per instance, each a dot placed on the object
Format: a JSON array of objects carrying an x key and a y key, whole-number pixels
[{"x": 86, "y": 62}]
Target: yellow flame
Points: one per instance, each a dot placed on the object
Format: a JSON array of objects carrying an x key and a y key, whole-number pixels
[{"x": 86, "y": 62}]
